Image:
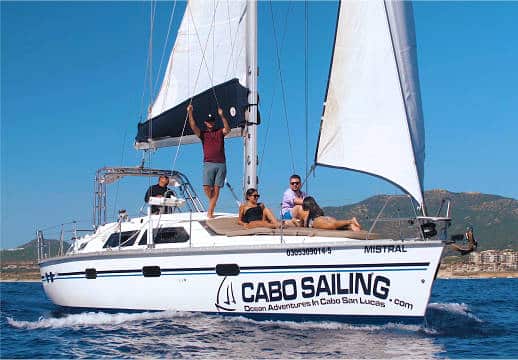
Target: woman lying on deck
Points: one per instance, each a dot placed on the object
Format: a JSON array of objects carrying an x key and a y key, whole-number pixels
[
  {"x": 313, "y": 216},
  {"x": 253, "y": 214}
]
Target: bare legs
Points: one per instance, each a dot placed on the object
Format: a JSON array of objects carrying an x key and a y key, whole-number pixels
[
  {"x": 268, "y": 221},
  {"x": 330, "y": 223},
  {"x": 212, "y": 194},
  {"x": 298, "y": 215},
  {"x": 268, "y": 216}
]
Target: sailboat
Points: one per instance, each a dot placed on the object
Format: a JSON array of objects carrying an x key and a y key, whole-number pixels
[{"x": 371, "y": 122}]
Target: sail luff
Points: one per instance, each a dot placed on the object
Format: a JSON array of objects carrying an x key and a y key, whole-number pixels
[
  {"x": 401, "y": 24},
  {"x": 367, "y": 125}
]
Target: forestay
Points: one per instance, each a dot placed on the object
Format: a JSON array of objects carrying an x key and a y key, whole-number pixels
[
  {"x": 207, "y": 64},
  {"x": 372, "y": 120}
]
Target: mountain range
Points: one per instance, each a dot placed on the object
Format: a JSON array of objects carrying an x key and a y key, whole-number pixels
[{"x": 494, "y": 218}]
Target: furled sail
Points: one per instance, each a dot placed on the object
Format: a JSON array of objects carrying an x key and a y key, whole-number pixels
[
  {"x": 372, "y": 120},
  {"x": 207, "y": 64}
]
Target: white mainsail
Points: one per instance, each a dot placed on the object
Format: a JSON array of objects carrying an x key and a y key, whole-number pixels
[
  {"x": 372, "y": 120},
  {"x": 209, "y": 51}
]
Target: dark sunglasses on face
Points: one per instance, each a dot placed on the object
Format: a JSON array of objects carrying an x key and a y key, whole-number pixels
[
  {"x": 255, "y": 195},
  {"x": 295, "y": 183}
]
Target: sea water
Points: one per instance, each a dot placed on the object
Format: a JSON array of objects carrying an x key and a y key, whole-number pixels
[{"x": 475, "y": 318}]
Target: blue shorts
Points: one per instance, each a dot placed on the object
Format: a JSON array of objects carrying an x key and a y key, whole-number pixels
[
  {"x": 214, "y": 174},
  {"x": 287, "y": 215}
]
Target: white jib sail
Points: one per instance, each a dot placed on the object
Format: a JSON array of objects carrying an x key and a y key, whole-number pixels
[
  {"x": 209, "y": 50},
  {"x": 372, "y": 120}
]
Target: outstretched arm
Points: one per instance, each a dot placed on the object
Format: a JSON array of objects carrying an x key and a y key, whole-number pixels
[
  {"x": 195, "y": 129},
  {"x": 226, "y": 129}
]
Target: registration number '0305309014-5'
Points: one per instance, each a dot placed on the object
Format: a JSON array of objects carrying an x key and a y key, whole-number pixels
[{"x": 309, "y": 251}]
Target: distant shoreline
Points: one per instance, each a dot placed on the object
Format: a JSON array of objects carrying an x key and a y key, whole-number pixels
[
  {"x": 477, "y": 275},
  {"x": 441, "y": 275}
]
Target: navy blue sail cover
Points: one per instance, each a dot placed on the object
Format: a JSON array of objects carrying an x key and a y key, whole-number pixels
[{"x": 167, "y": 128}]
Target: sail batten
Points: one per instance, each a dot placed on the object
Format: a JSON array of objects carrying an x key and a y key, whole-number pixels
[{"x": 372, "y": 119}]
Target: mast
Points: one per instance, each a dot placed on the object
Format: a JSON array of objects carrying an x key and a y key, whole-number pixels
[{"x": 250, "y": 141}]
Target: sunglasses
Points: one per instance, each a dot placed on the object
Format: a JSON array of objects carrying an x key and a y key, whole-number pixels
[
  {"x": 295, "y": 183},
  {"x": 255, "y": 195}
]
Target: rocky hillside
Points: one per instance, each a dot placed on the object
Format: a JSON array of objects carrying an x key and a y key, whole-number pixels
[{"x": 494, "y": 218}]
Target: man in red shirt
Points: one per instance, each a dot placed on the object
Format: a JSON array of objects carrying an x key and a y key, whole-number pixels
[{"x": 214, "y": 166}]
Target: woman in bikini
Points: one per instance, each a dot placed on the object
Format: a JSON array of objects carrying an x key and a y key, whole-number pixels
[
  {"x": 313, "y": 216},
  {"x": 253, "y": 214}
]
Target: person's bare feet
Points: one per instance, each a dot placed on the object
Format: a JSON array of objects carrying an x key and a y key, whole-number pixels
[
  {"x": 355, "y": 221},
  {"x": 354, "y": 227}
]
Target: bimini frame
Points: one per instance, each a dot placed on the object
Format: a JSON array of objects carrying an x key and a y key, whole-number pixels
[{"x": 110, "y": 175}]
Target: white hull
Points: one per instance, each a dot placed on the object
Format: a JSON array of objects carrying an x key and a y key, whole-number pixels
[{"x": 366, "y": 280}]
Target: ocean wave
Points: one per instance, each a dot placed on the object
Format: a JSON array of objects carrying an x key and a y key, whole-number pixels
[
  {"x": 322, "y": 325},
  {"x": 454, "y": 308},
  {"x": 93, "y": 319},
  {"x": 457, "y": 320}
]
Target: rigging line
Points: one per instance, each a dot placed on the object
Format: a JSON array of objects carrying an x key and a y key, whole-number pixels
[
  {"x": 150, "y": 67},
  {"x": 213, "y": 38},
  {"x": 307, "y": 175},
  {"x": 282, "y": 88},
  {"x": 165, "y": 47},
  {"x": 118, "y": 182},
  {"x": 195, "y": 84},
  {"x": 203, "y": 50},
  {"x": 204, "y": 62},
  {"x": 197, "y": 78},
  {"x": 265, "y": 140},
  {"x": 153, "y": 12},
  {"x": 65, "y": 223},
  {"x": 233, "y": 41},
  {"x": 229, "y": 25},
  {"x": 180, "y": 140},
  {"x": 306, "y": 64},
  {"x": 146, "y": 73}
]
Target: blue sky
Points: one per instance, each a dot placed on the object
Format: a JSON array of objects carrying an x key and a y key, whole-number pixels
[{"x": 72, "y": 79}]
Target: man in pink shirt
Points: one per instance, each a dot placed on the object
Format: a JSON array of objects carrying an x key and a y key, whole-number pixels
[{"x": 214, "y": 162}]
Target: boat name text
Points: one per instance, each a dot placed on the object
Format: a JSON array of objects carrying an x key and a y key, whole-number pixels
[
  {"x": 310, "y": 287},
  {"x": 378, "y": 249}
]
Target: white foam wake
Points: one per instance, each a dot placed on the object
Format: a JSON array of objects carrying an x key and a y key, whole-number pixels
[
  {"x": 324, "y": 325},
  {"x": 455, "y": 308},
  {"x": 92, "y": 319}
]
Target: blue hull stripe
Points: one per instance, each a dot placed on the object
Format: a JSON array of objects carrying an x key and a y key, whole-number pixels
[
  {"x": 283, "y": 269},
  {"x": 61, "y": 277}
]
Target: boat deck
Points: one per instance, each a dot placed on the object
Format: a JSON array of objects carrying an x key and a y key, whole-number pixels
[{"x": 228, "y": 226}]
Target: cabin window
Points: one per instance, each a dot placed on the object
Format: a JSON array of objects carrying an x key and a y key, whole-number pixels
[
  {"x": 127, "y": 238},
  {"x": 167, "y": 235}
]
